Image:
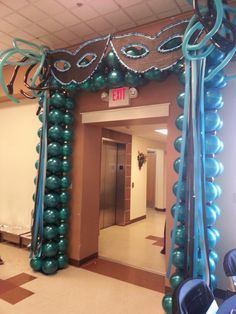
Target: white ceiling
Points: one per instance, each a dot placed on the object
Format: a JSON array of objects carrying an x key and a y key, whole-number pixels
[
  {"x": 62, "y": 23},
  {"x": 145, "y": 131}
]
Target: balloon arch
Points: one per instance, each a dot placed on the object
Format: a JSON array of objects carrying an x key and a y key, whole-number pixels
[{"x": 132, "y": 60}]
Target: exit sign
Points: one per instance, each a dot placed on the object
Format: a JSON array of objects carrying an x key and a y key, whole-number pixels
[{"x": 119, "y": 97}]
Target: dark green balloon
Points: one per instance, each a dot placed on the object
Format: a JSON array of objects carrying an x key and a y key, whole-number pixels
[
  {"x": 99, "y": 81},
  {"x": 54, "y": 149},
  {"x": 50, "y": 232},
  {"x": 212, "y": 144},
  {"x": 177, "y": 166},
  {"x": 181, "y": 77},
  {"x": 54, "y": 165},
  {"x": 38, "y": 148},
  {"x": 62, "y": 245},
  {"x": 57, "y": 100},
  {"x": 182, "y": 190},
  {"x": 115, "y": 78},
  {"x": 49, "y": 266},
  {"x": 72, "y": 87},
  {"x": 213, "y": 99},
  {"x": 66, "y": 165},
  {"x": 63, "y": 229},
  {"x": 39, "y": 132},
  {"x": 70, "y": 103},
  {"x": 86, "y": 85},
  {"x": 178, "y": 67},
  {"x": 175, "y": 279},
  {"x": 66, "y": 150},
  {"x": 112, "y": 60},
  {"x": 131, "y": 79},
  {"x": 36, "y": 164},
  {"x": 180, "y": 99},
  {"x": 181, "y": 212},
  {"x": 40, "y": 116},
  {"x": 178, "y": 258},
  {"x": 55, "y": 116},
  {"x": 50, "y": 249},
  {"x": 67, "y": 135},
  {"x": 64, "y": 197},
  {"x": 155, "y": 75},
  {"x": 180, "y": 235},
  {"x": 64, "y": 213},
  {"x": 62, "y": 261},
  {"x": 68, "y": 118},
  {"x": 53, "y": 83},
  {"x": 217, "y": 81},
  {"x": 36, "y": 263},
  {"x": 51, "y": 216},
  {"x": 65, "y": 182},
  {"x": 177, "y": 143},
  {"x": 51, "y": 200},
  {"x": 212, "y": 121},
  {"x": 167, "y": 303},
  {"x": 53, "y": 182},
  {"x": 215, "y": 57},
  {"x": 179, "y": 122},
  {"x": 55, "y": 132}
]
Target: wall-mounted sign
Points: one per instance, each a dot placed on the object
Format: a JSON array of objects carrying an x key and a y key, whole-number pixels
[{"x": 119, "y": 97}]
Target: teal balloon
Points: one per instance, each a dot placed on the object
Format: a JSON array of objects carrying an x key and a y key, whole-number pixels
[
  {"x": 86, "y": 85},
  {"x": 167, "y": 304},
  {"x": 66, "y": 165},
  {"x": 64, "y": 197},
  {"x": 68, "y": 118},
  {"x": 212, "y": 144},
  {"x": 178, "y": 258},
  {"x": 178, "y": 143},
  {"x": 221, "y": 147},
  {"x": 216, "y": 232},
  {"x": 216, "y": 209},
  {"x": 49, "y": 266},
  {"x": 63, "y": 229},
  {"x": 62, "y": 261},
  {"x": 36, "y": 263},
  {"x": 53, "y": 182},
  {"x": 55, "y": 116},
  {"x": 180, "y": 235},
  {"x": 51, "y": 216},
  {"x": 51, "y": 200},
  {"x": 36, "y": 164},
  {"x": 181, "y": 212},
  {"x": 181, "y": 77},
  {"x": 72, "y": 87},
  {"x": 115, "y": 78},
  {"x": 38, "y": 148},
  {"x": 213, "y": 281},
  {"x": 212, "y": 167},
  {"x": 55, "y": 133},
  {"x": 53, "y": 83},
  {"x": 50, "y": 232},
  {"x": 213, "y": 99},
  {"x": 112, "y": 60},
  {"x": 177, "y": 166},
  {"x": 54, "y": 149},
  {"x": 65, "y": 182},
  {"x": 62, "y": 245},
  {"x": 180, "y": 99},
  {"x": 39, "y": 132},
  {"x": 50, "y": 249},
  {"x": 70, "y": 103},
  {"x": 219, "y": 190},
  {"x": 182, "y": 190},
  {"x": 218, "y": 81},
  {"x": 155, "y": 75},
  {"x": 66, "y": 150},
  {"x": 210, "y": 216},
  {"x": 175, "y": 279},
  {"x": 212, "y": 240},
  {"x": 64, "y": 213},
  {"x": 215, "y": 57},
  {"x": 54, "y": 165},
  {"x": 67, "y": 135},
  {"x": 212, "y": 121},
  {"x": 100, "y": 81},
  {"x": 178, "y": 67},
  {"x": 214, "y": 256},
  {"x": 57, "y": 100},
  {"x": 179, "y": 122},
  {"x": 212, "y": 265},
  {"x": 133, "y": 79},
  {"x": 211, "y": 191},
  {"x": 40, "y": 116}
]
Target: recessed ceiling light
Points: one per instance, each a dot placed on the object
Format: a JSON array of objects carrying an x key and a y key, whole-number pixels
[{"x": 162, "y": 131}]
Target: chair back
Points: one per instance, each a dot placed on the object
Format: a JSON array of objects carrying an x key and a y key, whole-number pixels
[{"x": 229, "y": 265}]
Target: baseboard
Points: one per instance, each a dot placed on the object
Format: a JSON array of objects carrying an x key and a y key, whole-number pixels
[
  {"x": 160, "y": 209},
  {"x": 137, "y": 219},
  {"x": 78, "y": 263}
]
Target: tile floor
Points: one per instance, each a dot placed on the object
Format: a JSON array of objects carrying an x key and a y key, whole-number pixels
[
  {"x": 137, "y": 245},
  {"x": 73, "y": 290}
]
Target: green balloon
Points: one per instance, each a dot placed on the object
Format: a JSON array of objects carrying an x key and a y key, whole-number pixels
[
  {"x": 180, "y": 235},
  {"x": 55, "y": 132},
  {"x": 53, "y": 182},
  {"x": 181, "y": 77},
  {"x": 40, "y": 116},
  {"x": 55, "y": 116},
  {"x": 64, "y": 213},
  {"x": 167, "y": 303},
  {"x": 86, "y": 85},
  {"x": 36, "y": 263},
  {"x": 54, "y": 165},
  {"x": 176, "y": 68},
  {"x": 53, "y": 83},
  {"x": 68, "y": 118},
  {"x": 112, "y": 60},
  {"x": 62, "y": 245},
  {"x": 54, "y": 149},
  {"x": 66, "y": 150},
  {"x": 132, "y": 79},
  {"x": 66, "y": 165},
  {"x": 178, "y": 258},
  {"x": 67, "y": 135},
  {"x": 38, "y": 148},
  {"x": 70, "y": 103},
  {"x": 57, "y": 100},
  {"x": 175, "y": 279},
  {"x": 51, "y": 200},
  {"x": 179, "y": 122},
  {"x": 50, "y": 232},
  {"x": 63, "y": 229},
  {"x": 155, "y": 75},
  {"x": 99, "y": 81},
  {"x": 39, "y": 132},
  {"x": 51, "y": 216},
  {"x": 50, "y": 249},
  {"x": 64, "y": 197},
  {"x": 49, "y": 266},
  {"x": 65, "y": 182},
  {"x": 72, "y": 87},
  {"x": 62, "y": 261},
  {"x": 36, "y": 164},
  {"x": 177, "y": 143},
  {"x": 115, "y": 78}
]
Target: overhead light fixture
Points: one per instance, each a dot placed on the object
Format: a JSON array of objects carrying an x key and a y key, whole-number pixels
[{"x": 162, "y": 131}]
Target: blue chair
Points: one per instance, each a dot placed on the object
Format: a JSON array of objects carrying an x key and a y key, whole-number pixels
[{"x": 229, "y": 265}]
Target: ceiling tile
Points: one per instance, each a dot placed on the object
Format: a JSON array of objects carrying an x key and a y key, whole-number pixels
[
  {"x": 126, "y": 26},
  {"x": 65, "y": 34},
  {"x": 118, "y": 18},
  {"x": 21, "y": 34},
  {"x": 4, "y": 10},
  {"x": 85, "y": 12},
  {"x": 99, "y": 24},
  {"x": 4, "y": 25},
  {"x": 17, "y": 20},
  {"x": 90, "y": 36},
  {"x": 51, "y": 40},
  {"x": 69, "y": 3},
  {"x": 104, "y": 6},
  {"x": 50, "y": 25},
  {"x": 82, "y": 29},
  {"x": 66, "y": 18},
  {"x": 127, "y": 3},
  {"x": 162, "y": 6},
  {"x": 36, "y": 30},
  {"x": 168, "y": 13},
  {"x": 51, "y": 7},
  {"x": 6, "y": 39},
  {"x": 15, "y": 4},
  {"x": 139, "y": 11},
  {"x": 147, "y": 20},
  {"x": 33, "y": 13}
]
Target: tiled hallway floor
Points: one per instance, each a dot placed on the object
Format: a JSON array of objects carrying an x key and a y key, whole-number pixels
[
  {"x": 73, "y": 290},
  {"x": 137, "y": 245}
]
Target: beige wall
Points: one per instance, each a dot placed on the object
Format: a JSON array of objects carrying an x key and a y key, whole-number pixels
[{"x": 18, "y": 138}]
